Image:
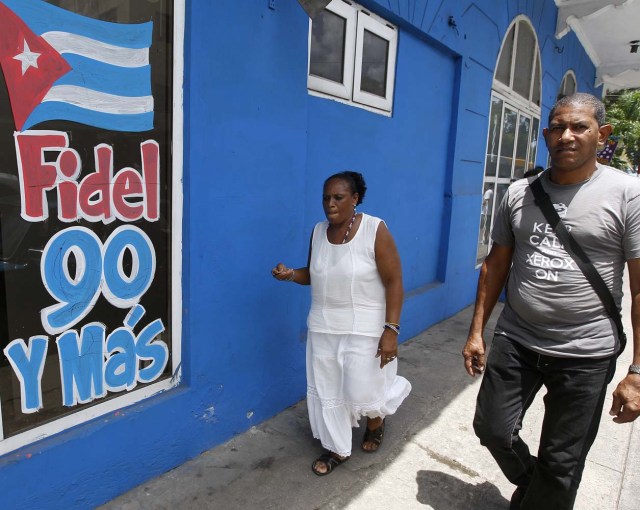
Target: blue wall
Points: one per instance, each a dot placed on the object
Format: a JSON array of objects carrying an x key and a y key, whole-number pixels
[{"x": 257, "y": 149}]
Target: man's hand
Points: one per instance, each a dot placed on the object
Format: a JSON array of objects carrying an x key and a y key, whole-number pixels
[
  {"x": 473, "y": 354},
  {"x": 626, "y": 400}
]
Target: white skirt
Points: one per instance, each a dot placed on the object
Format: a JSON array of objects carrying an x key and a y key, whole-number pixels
[{"x": 344, "y": 383}]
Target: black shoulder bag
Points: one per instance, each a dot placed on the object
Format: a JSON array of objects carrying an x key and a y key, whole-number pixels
[{"x": 576, "y": 252}]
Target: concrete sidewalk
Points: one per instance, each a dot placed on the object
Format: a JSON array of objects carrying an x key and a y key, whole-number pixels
[{"x": 430, "y": 457}]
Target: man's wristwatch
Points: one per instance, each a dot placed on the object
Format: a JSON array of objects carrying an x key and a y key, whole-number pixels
[{"x": 634, "y": 369}]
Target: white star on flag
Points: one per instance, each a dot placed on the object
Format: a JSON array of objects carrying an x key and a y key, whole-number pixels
[{"x": 27, "y": 57}]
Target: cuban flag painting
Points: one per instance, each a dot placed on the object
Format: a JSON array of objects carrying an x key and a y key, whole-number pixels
[{"x": 59, "y": 65}]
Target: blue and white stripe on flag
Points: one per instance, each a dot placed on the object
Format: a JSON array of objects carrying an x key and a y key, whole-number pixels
[{"x": 109, "y": 84}]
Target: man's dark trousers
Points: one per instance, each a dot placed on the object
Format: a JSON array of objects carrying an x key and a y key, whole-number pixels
[{"x": 576, "y": 389}]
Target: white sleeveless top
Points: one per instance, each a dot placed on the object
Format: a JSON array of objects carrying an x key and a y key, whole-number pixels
[{"x": 347, "y": 294}]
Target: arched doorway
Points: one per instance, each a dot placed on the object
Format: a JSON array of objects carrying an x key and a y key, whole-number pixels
[{"x": 514, "y": 121}]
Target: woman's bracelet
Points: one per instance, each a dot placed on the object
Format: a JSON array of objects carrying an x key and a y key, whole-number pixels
[
  {"x": 393, "y": 327},
  {"x": 293, "y": 275}
]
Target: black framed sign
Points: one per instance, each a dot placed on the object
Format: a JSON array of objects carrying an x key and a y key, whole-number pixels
[{"x": 89, "y": 220}]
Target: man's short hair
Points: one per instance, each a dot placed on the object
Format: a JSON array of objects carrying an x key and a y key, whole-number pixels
[{"x": 581, "y": 98}]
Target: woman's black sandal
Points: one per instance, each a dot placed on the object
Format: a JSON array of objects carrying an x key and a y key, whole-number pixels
[
  {"x": 374, "y": 436},
  {"x": 330, "y": 460}
]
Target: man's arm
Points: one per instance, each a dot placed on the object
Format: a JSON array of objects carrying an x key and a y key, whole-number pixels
[
  {"x": 493, "y": 276},
  {"x": 626, "y": 397}
]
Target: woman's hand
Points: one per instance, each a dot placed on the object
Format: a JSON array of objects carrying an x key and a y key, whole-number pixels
[
  {"x": 389, "y": 267},
  {"x": 283, "y": 273},
  {"x": 387, "y": 347}
]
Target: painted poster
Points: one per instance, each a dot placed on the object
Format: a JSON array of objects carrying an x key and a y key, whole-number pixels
[{"x": 85, "y": 204}]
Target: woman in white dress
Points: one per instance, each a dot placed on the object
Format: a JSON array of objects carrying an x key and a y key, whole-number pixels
[{"x": 353, "y": 325}]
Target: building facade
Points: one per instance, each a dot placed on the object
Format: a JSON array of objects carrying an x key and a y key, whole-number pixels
[{"x": 160, "y": 156}]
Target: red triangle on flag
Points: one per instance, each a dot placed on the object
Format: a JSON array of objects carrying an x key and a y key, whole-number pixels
[{"x": 29, "y": 63}]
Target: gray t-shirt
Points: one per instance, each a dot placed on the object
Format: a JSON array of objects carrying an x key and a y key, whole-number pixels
[{"x": 551, "y": 308}]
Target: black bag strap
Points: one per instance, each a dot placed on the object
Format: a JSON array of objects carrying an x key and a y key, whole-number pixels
[{"x": 576, "y": 252}]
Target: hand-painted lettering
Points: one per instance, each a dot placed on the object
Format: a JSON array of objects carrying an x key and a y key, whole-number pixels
[
  {"x": 147, "y": 349},
  {"x": 37, "y": 176},
  {"x": 75, "y": 294},
  {"x": 91, "y": 363},
  {"x": 81, "y": 358},
  {"x": 99, "y": 196},
  {"x": 77, "y": 267},
  {"x": 119, "y": 289},
  {"x": 94, "y": 194},
  {"x": 28, "y": 365},
  {"x": 120, "y": 368},
  {"x": 97, "y": 268}
]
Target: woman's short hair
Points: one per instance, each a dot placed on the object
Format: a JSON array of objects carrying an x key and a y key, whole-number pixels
[{"x": 354, "y": 180}]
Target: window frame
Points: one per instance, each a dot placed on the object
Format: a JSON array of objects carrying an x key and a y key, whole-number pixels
[
  {"x": 530, "y": 156},
  {"x": 358, "y": 20},
  {"x": 507, "y": 90},
  {"x": 333, "y": 88},
  {"x": 366, "y": 21},
  {"x": 523, "y": 107},
  {"x": 563, "y": 84}
]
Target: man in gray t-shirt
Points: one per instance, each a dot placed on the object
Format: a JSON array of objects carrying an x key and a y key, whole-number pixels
[
  {"x": 554, "y": 330},
  {"x": 552, "y": 308}
]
